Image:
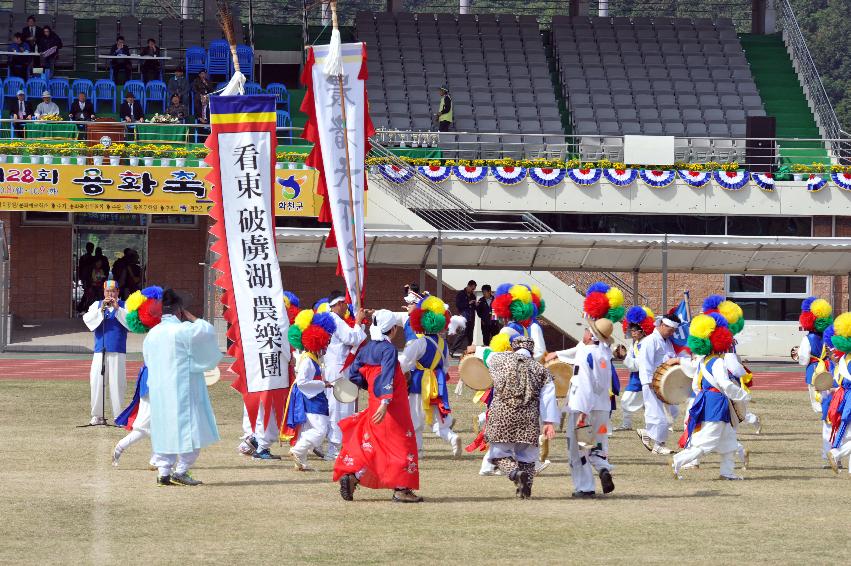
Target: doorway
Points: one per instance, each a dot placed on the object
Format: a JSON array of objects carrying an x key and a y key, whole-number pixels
[{"x": 122, "y": 243}]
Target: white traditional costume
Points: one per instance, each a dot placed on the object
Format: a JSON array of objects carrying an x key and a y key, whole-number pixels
[
  {"x": 658, "y": 416},
  {"x": 109, "y": 360}
]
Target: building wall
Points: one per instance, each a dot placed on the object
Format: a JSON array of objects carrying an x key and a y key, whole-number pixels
[{"x": 174, "y": 260}]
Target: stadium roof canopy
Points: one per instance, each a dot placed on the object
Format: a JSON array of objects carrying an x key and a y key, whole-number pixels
[{"x": 580, "y": 252}]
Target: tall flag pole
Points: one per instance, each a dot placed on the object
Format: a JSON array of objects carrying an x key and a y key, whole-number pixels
[
  {"x": 339, "y": 126},
  {"x": 242, "y": 145},
  {"x": 680, "y": 337}
]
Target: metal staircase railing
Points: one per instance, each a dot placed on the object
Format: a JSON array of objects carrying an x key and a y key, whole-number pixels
[{"x": 809, "y": 75}]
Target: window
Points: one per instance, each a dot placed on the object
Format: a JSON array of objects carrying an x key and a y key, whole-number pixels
[
  {"x": 34, "y": 217},
  {"x": 174, "y": 220},
  {"x": 769, "y": 297}
]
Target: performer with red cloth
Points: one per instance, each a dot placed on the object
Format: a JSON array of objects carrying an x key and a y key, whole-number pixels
[{"x": 379, "y": 448}]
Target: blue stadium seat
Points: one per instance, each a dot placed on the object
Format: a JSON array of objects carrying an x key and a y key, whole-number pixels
[
  {"x": 218, "y": 58},
  {"x": 281, "y": 93},
  {"x": 196, "y": 60},
  {"x": 35, "y": 86},
  {"x": 155, "y": 91},
  {"x": 78, "y": 86},
  {"x": 245, "y": 56},
  {"x": 60, "y": 89},
  {"x": 253, "y": 88},
  {"x": 283, "y": 121},
  {"x": 11, "y": 86},
  {"x": 105, "y": 91},
  {"x": 138, "y": 90}
]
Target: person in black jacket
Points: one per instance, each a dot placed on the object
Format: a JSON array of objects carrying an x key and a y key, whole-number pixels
[
  {"x": 31, "y": 33},
  {"x": 49, "y": 45},
  {"x": 82, "y": 110},
  {"x": 19, "y": 65},
  {"x": 131, "y": 110},
  {"x": 19, "y": 112},
  {"x": 151, "y": 67},
  {"x": 490, "y": 326},
  {"x": 121, "y": 66},
  {"x": 465, "y": 304}
]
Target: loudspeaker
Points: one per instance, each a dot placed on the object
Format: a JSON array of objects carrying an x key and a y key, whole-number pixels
[{"x": 761, "y": 154}]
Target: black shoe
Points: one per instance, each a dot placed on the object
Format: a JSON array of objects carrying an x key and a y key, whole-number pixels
[
  {"x": 348, "y": 483},
  {"x": 406, "y": 496},
  {"x": 584, "y": 494},
  {"x": 184, "y": 479},
  {"x": 319, "y": 453},
  {"x": 606, "y": 481},
  {"x": 163, "y": 481},
  {"x": 525, "y": 484}
]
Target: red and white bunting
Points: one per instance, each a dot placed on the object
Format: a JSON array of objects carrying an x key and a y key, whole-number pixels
[
  {"x": 435, "y": 173},
  {"x": 842, "y": 180},
  {"x": 470, "y": 174},
  {"x": 620, "y": 177},
  {"x": 657, "y": 179},
  {"x": 585, "y": 177},
  {"x": 695, "y": 179},
  {"x": 764, "y": 181},
  {"x": 509, "y": 175}
]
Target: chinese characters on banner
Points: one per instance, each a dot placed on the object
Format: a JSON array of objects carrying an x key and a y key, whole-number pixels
[
  {"x": 325, "y": 128},
  {"x": 242, "y": 144}
]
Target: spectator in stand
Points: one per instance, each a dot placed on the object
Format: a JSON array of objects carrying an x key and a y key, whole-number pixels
[
  {"x": 49, "y": 46},
  {"x": 120, "y": 66},
  {"x": 465, "y": 304},
  {"x": 47, "y": 107},
  {"x": 490, "y": 326},
  {"x": 444, "y": 113},
  {"x": 19, "y": 65},
  {"x": 82, "y": 111},
  {"x": 131, "y": 110},
  {"x": 31, "y": 33},
  {"x": 201, "y": 85},
  {"x": 176, "y": 108},
  {"x": 202, "y": 109},
  {"x": 20, "y": 111},
  {"x": 178, "y": 85},
  {"x": 151, "y": 67}
]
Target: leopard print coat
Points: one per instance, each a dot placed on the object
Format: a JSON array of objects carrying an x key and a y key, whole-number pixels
[{"x": 514, "y": 414}]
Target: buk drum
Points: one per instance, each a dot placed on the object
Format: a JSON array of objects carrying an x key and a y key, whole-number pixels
[
  {"x": 670, "y": 383},
  {"x": 474, "y": 373},
  {"x": 345, "y": 391},
  {"x": 562, "y": 373},
  {"x": 822, "y": 380}
]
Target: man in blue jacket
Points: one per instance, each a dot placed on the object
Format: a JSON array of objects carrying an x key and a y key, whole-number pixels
[{"x": 107, "y": 319}]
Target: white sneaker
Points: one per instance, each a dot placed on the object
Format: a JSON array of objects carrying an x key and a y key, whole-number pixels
[
  {"x": 758, "y": 425},
  {"x": 622, "y": 428},
  {"x": 97, "y": 421},
  {"x": 541, "y": 466},
  {"x": 116, "y": 454},
  {"x": 833, "y": 461},
  {"x": 645, "y": 438},
  {"x": 693, "y": 464},
  {"x": 676, "y": 469},
  {"x": 456, "y": 446},
  {"x": 300, "y": 460},
  {"x": 662, "y": 450},
  {"x": 745, "y": 456}
]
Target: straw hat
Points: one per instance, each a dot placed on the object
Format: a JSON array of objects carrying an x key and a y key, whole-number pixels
[{"x": 602, "y": 329}]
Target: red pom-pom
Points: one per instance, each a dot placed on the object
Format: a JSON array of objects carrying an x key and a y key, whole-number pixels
[
  {"x": 721, "y": 339},
  {"x": 150, "y": 313},
  {"x": 526, "y": 323},
  {"x": 648, "y": 325},
  {"x": 710, "y": 311},
  {"x": 416, "y": 320},
  {"x": 501, "y": 306},
  {"x": 625, "y": 325},
  {"x": 807, "y": 320},
  {"x": 596, "y": 305},
  {"x": 536, "y": 301},
  {"x": 292, "y": 311},
  {"x": 315, "y": 339}
]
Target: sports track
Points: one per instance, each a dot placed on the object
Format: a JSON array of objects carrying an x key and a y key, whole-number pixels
[{"x": 771, "y": 377}]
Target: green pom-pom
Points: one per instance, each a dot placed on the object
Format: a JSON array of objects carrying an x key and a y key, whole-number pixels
[
  {"x": 486, "y": 356},
  {"x": 841, "y": 343},
  {"x": 737, "y": 326},
  {"x": 134, "y": 324},
  {"x": 822, "y": 323},
  {"x": 294, "y": 334},
  {"x": 542, "y": 308},
  {"x": 522, "y": 311},
  {"x": 699, "y": 346},
  {"x": 616, "y": 314},
  {"x": 433, "y": 322}
]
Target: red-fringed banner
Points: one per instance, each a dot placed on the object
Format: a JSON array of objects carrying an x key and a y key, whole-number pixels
[
  {"x": 339, "y": 126},
  {"x": 242, "y": 149}
]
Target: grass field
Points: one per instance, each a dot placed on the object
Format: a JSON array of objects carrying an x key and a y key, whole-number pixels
[{"x": 62, "y": 502}]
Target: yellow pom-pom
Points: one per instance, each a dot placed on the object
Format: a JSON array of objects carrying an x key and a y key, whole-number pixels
[
  {"x": 500, "y": 343},
  {"x": 730, "y": 311},
  {"x": 520, "y": 293},
  {"x": 615, "y": 297},
  {"x": 702, "y": 326},
  {"x": 649, "y": 312},
  {"x": 286, "y": 302},
  {"x": 536, "y": 291},
  {"x": 303, "y": 318},
  {"x": 134, "y": 301},
  {"x": 821, "y": 308},
  {"x": 842, "y": 325},
  {"x": 323, "y": 307},
  {"x": 433, "y": 304}
]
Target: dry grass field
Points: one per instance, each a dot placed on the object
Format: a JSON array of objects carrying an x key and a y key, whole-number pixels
[{"x": 62, "y": 502}]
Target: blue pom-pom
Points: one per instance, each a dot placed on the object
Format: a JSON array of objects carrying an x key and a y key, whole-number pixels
[
  {"x": 504, "y": 288},
  {"x": 827, "y": 336},
  {"x": 153, "y": 292},
  {"x": 720, "y": 321},
  {"x": 711, "y": 302},
  {"x": 325, "y": 321},
  {"x": 293, "y": 298},
  {"x": 807, "y": 303},
  {"x": 319, "y": 302},
  {"x": 598, "y": 287},
  {"x": 635, "y": 315}
]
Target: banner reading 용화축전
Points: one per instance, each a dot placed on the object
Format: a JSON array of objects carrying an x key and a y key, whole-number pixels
[{"x": 137, "y": 190}]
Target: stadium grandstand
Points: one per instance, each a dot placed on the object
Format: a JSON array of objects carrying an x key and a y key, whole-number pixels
[{"x": 663, "y": 147}]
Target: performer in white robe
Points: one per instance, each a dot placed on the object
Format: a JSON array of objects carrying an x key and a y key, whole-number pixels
[
  {"x": 177, "y": 352},
  {"x": 343, "y": 341},
  {"x": 589, "y": 404},
  {"x": 656, "y": 349},
  {"x": 632, "y": 397},
  {"x": 107, "y": 319},
  {"x": 313, "y": 430}
]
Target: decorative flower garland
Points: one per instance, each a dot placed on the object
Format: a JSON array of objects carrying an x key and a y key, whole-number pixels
[
  {"x": 657, "y": 179},
  {"x": 620, "y": 177},
  {"x": 731, "y": 180},
  {"x": 695, "y": 179}
]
